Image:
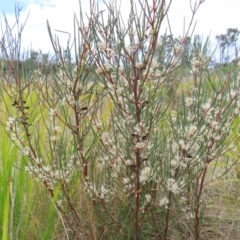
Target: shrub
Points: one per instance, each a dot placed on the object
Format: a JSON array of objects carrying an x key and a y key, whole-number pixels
[{"x": 121, "y": 154}]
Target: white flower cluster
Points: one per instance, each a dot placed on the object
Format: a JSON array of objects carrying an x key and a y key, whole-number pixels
[
  {"x": 68, "y": 99},
  {"x": 199, "y": 62},
  {"x": 147, "y": 201},
  {"x": 128, "y": 183},
  {"x": 113, "y": 156},
  {"x": 37, "y": 76},
  {"x": 201, "y": 136},
  {"x": 72, "y": 85},
  {"x": 145, "y": 175},
  {"x": 173, "y": 186},
  {"x": 51, "y": 174},
  {"x": 52, "y": 113},
  {"x": 118, "y": 83},
  {"x": 56, "y": 130},
  {"x": 164, "y": 202},
  {"x": 153, "y": 71},
  {"x": 67, "y": 81},
  {"x": 25, "y": 151},
  {"x": 16, "y": 135},
  {"x": 107, "y": 139},
  {"x": 104, "y": 47},
  {"x": 140, "y": 134},
  {"x": 9, "y": 123},
  {"x": 101, "y": 193}
]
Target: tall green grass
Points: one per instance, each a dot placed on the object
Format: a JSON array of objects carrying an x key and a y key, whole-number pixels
[{"x": 26, "y": 212}]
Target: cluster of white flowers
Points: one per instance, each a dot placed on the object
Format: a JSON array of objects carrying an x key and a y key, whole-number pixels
[
  {"x": 68, "y": 99},
  {"x": 173, "y": 186},
  {"x": 128, "y": 184},
  {"x": 25, "y": 151},
  {"x": 107, "y": 138},
  {"x": 37, "y": 74},
  {"x": 108, "y": 67},
  {"x": 199, "y": 62},
  {"x": 183, "y": 145},
  {"x": 118, "y": 83},
  {"x": 113, "y": 157},
  {"x": 145, "y": 175},
  {"x": 109, "y": 52},
  {"x": 139, "y": 65},
  {"x": 191, "y": 131},
  {"x": 73, "y": 87},
  {"x": 102, "y": 45},
  {"x": 199, "y": 139},
  {"x": 164, "y": 202},
  {"x": 129, "y": 118},
  {"x": 140, "y": 130},
  {"x": 51, "y": 174},
  {"x": 56, "y": 130},
  {"x": 52, "y": 113},
  {"x": 147, "y": 201},
  {"x": 9, "y": 123},
  {"x": 54, "y": 138},
  {"x": 64, "y": 78},
  {"x": 175, "y": 162},
  {"x": 189, "y": 101},
  {"x": 153, "y": 72},
  {"x": 140, "y": 145},
  {"x": 16, "y": 135},
  {"x": 67, "y": 81},
  {"x": 101, "y": 193},
  {"x": 188, "y": 213},
  {"x": 148, "y": 198},
  {"x": 131, "y": 48},
  {"x": 100, "y": 70}
]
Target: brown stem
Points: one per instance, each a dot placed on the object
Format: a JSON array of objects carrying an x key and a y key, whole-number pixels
[
  {"x": 197, "y": 201},
  {"x": 76, "y": 216},
  {"x": 137, "y": 195},
  {"x": 167, "y": 217}
]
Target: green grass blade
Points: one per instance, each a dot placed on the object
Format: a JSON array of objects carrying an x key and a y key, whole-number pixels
[{"x": 49, "y": 227}]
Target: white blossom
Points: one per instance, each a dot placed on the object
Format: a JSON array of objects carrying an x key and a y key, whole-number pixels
[
  {"x": 54, "y": 138},
  {"x": 106, "y": 138},
  {"x": 163, "y": 202},
  {"x": 108, "y": 67},
  {"x": 139, "y": 65},
  {"x": 182, "y": 144},
  {"x": 46, "y": 168},
  {"x": 100, "y": 70},
  {"x": 102, "y": 45},
  {"x": 145, "y": 174},
  {"x": 9, "y": 123},
  {"x": 126, "y": 180},
  {"x": 174, "y": 163},
  {"x": 52, "y": 112},
  {"x": 172, "y": 186},
  {"x": 128, "y": 162},
  {"x": 206, "y": 106},
  {"x": 192, "y": 130},
  {"x": 26, "y": 151},
  {"x": 140, "y": 145},
  {"x": 233, "y": 93},
  {"x": 57, "y": 129},
  {"x": 148, "y": 198}
]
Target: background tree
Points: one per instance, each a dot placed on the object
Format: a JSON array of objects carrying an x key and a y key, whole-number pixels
[{"x": 226, "y": 43}]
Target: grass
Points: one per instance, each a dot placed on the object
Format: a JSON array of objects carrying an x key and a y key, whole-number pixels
[{"x": 23, "y": 207}]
